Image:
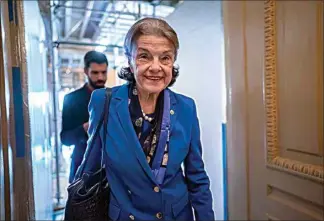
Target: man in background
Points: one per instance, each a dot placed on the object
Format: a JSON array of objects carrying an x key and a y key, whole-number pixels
[{"x": 75, "y": 114}]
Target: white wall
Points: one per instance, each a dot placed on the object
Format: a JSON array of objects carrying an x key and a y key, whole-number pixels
[
  {"x": 38, "y": 104},
  {"x": 202, "y": 77}
]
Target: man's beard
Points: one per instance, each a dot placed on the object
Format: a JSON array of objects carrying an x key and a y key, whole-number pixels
[{"x": 94, "y": 84}]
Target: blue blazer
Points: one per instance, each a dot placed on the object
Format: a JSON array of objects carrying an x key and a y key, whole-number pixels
[{"x": 135, "y": 194}]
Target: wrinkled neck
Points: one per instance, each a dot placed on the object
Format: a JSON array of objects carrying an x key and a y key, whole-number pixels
[{"x": 147, "y": 101}]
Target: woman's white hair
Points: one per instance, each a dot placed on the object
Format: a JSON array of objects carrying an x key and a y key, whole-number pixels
[{"x": 149, "y": 26}]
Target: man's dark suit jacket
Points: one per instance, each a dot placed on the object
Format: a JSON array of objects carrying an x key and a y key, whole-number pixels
[{"x": 75, "y": 114}]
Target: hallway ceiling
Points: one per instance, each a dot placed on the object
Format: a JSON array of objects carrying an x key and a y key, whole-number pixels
[{"x": 104, "y": 22}]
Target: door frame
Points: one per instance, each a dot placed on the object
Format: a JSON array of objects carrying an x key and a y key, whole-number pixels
[
  {"x": 234, "y": 16},
  {"x": 4, "y": 131}
]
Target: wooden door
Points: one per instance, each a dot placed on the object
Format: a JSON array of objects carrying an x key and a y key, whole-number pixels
[{"x": 274, "y": 70}]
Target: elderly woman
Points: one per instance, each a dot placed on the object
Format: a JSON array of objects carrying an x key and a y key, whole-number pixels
[{"x": 151, "y": 132}]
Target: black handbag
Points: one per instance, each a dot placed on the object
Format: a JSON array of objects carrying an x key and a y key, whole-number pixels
[{"x": 88, "y": 196}]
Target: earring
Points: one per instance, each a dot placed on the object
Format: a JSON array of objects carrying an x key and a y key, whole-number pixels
[{"x": 135, "y": 91}]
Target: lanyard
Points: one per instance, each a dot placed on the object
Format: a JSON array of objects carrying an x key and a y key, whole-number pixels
[{"x": 157, "y": 170}]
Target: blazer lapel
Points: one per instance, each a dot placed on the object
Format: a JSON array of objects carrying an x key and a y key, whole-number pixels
[
  {"x": 173, "y": 111},
  {"x": 125, "y": 121}
]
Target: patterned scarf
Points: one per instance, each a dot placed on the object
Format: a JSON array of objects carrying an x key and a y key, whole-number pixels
[{"x": 147, "y": 132}]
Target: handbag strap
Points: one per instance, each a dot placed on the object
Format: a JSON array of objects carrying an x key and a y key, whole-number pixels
[
  {"x": 105, "y": 123},
  {"x": 103, "y": 119}
]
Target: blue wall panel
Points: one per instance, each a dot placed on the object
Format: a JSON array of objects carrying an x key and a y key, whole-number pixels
[{"x": 18, "y": 112}]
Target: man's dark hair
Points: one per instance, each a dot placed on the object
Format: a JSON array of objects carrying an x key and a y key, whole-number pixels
[{"x": 94, "y": 57}]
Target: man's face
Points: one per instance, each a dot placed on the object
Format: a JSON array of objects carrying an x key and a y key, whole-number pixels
[{"x": 97, "y": 75}]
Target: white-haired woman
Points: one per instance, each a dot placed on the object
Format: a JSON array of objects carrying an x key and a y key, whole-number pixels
[{"x": 151, "y": 132}]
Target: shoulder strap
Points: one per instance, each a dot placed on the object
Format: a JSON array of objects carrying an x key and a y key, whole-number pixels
[{"x": 103, "y": 120}]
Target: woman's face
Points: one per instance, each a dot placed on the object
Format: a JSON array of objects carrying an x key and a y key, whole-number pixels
[{"x": 152, "y": 62}]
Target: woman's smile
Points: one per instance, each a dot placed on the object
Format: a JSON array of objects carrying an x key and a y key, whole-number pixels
[{"x": 154, "y": 79}]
